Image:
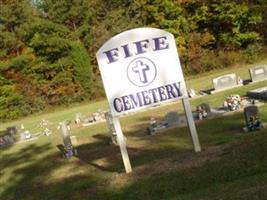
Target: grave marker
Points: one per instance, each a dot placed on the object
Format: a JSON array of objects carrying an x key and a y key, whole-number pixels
[
  {"x": 111, "y": 127},
  {"x": 140, "y": 68},
  {"x": 260, "y": 93},
  {"x": 12, "y": 130},
  {"x": 68, "y": 148},
  {"x": 252, "y": 118},
  {"x": 172, "y": 118},
  {"x": 225, "y": 82},
  {"x": 258, "y": 73}
]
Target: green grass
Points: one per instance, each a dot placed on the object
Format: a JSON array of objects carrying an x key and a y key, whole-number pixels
[
  {"x": 200, "y": 82},
  {"x": 231, "y": 166}
]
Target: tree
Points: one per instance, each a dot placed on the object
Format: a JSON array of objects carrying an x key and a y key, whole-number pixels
[
  {"x": 231, "y": 23},
  {"x": 13, "y": 15}
]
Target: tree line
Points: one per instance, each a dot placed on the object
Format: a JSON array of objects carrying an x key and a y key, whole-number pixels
[{"x": 47, "y": 47}]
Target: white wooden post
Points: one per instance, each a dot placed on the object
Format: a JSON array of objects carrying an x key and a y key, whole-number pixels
[
  {"x": 122, "y": 143},
  {"x": 191, "y": 124}
]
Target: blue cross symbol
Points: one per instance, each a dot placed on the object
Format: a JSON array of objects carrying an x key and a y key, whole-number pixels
[{"x": 141, "y": 69}]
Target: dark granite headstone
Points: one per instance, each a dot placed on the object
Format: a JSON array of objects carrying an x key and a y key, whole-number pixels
[
  {"x": 252, "y": 117},
  {"x": 205, "y": 106},
  {"x": 260, "y": 93},
  {"x": 258, "y": 73},
  {"x": 225, "y": 82},
  {"x": 171, "y": 118},
  {"x": 12, "y": 130}
]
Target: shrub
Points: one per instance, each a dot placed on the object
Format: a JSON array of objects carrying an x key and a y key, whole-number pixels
[
  {"x": 253, "y": 53},
  {"x": 228, "y": 58}
]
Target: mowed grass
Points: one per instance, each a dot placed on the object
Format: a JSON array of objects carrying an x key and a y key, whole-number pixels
[{"x": 232, "y": 164}]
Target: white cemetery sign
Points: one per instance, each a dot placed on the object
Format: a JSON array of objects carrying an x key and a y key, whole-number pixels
[{"x": 140, "y": 68}]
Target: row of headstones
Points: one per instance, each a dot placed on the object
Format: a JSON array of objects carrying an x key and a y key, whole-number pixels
[
  {"x": 95, "y": 117},
  {"x": 251, "y": 114},
  {"x": 251, "y": 117},
  {"x": 258, "y": 73}
]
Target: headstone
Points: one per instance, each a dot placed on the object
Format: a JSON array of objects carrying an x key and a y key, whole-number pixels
[
  {"x": 68, "y": 148},
  {"x": 155, "y": 126},
  {"x": 206, "y": 107},
  {"x": 111, "y": 128},
  {"x": 9, "y": 140},
  {"x": 12, "y": 130},
  {"x": 258, "y": 73},
  {"x": 65, "y": 133},
  {"x": 225, "y": 82},
  {"x": 260, "y": 93},
  {"x": 172, "y": 118},
  {"x": 252, "y": 118}
]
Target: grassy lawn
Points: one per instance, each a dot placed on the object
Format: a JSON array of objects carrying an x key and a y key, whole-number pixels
[{"x": 232, "y": 165}]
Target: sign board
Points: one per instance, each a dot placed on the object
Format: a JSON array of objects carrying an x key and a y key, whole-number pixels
[
  {"x": 258, "y": 73},
  {"x": 140, "y": 68}
]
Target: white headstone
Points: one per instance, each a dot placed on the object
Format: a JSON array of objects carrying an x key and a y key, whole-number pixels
[
  {"x": 225, "y": 82},
  {"x": 258, "y": 73},
  {"x": 65, "y": 133}
]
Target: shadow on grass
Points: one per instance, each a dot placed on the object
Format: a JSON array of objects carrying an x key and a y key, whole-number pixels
[
  {"x": 107, "y": 157},
  {"x": 28, "y": 174},
  {"x": 38, "y": 171},
  {"x": 240, "y": 174}
]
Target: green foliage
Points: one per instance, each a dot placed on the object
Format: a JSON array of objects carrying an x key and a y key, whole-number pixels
[
  {"x": 82, "y": 68},
  {"x": 169, "y": 15},
  {"x": 71, "y": 13},
  {"x": 253, "y": 52},
  {"x": 12, "y": 105},
  {"x": 49, "y": 40},
  {"x": 230, "y": 22}
]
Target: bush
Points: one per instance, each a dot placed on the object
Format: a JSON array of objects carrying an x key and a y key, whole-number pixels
[
  {"x": 12, "y": 104},
  {"x": 228, "y": 58},
  {"x": 206, "y": 61},
  {"x": 253, "y": 53}
]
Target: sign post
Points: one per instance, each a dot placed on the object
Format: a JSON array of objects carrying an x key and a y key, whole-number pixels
[
  {"x": 122, "y": 144},
  {"x": 140, "y": 68},
  {"x": 191, "y": 124}
]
